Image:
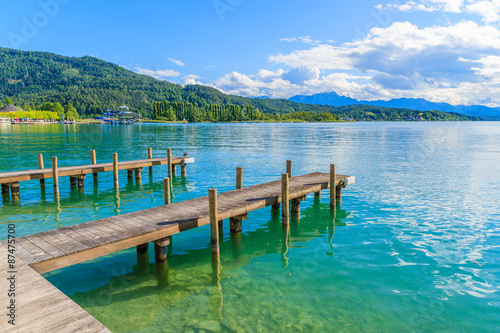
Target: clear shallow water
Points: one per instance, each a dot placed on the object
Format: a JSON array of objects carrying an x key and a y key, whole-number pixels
[{"x": 414, "y": 248}]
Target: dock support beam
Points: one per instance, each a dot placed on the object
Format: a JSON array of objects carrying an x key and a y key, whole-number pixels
[
  {"x": 239, "y": 178},
  {"x": 142, "y": 258},
  {"x": 93, "y": 160},
  {"x": 138, "y": 173},
  {"x": 80, "y": 182},
  {"x": 161, "y": 261},
  {"x": 333, "y": 192},
  {"x": 14, "y": 189},
  {"x": 150, "y": 156},
  {"x": 115, "y": 169},
  {"x": 317, "y": 195},
  {"x": 40, "y": 166},
  {"x": 174, "y": 169},
  {"x": 55, "y": 175},
  {"x": 5, "y": 189},
  {"x": 72, "y": 181},
  {"x": 338, "y": 193},
  {"x": 166, "y": 190},
  {"x": 296, "y": 206},
  {"x": 183, "y": 169},
  {"x": 214, "y": 220},
  {"x": 285, "y": 205},
  {"x": 169, "y": 159},
  {"x": 235, "y": 223},
  {"x": 130, "y": 173}
]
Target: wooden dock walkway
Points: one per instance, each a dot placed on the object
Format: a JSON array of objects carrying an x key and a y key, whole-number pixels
[
  {"x": 54, "y": 249},
  {"x": 39, "y": 306},
  {"x": 10, "y": 180}
]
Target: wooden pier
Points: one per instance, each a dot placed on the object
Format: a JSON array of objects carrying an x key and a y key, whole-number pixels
[
  {"x": 10, "y": 180},
  {"x": 50, "y": 250}
]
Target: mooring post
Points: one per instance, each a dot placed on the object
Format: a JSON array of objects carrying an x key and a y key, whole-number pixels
[
  {"x": 93, "y": 160},
  {"x": 55, "y": 175},
  {"x": 214, "y": 220},
  {"x": 150, "y": 156},
  {"x": 142, "y": 258},
  {"x": 174, "y": 169},
  {"x": 166, "y": 190},
  {"x": 332, "y": 187},
  {"x": 161, "y": 261},
  {"x": 115, "y": 169},
  {"x": 239, "y": 178},
  {"x": 169, "y": 159},
  {"x": 14, "y": 189},
  {"x": 183, "y": 169},
  {"x": 285, "y": 206},
  {"x": 40, "y": 166},
  {"x": 296, "y": 206},
  {"x": 338, "y": 192},
  {"x": 289, "y": 168},
  {"x": 80, "y": 182}
]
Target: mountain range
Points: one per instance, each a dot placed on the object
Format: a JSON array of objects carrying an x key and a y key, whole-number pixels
[{"x": 334, "y": 99}]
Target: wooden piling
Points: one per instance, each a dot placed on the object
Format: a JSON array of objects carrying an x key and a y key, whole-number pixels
[
  {"x": 296, "y": 206},
  {"x": 285, "y": 206},
  {"x": 166, "y": 190},
  {"x": 142, "y": 258},
  {"x": 72, "y": 181},
  {"x": 150, "y": 156},
  {"x": 235, "y": 223},
  {"x": 93, "y": 160},
  {"x": 214, "y": 221},
  {"x": 289, "y": 168},
  {"x": 169, "y": 157},
  {"x": 130, "y": 173},
  {"x": 338, "y": 193},
  {"x": 317, "y": 195},
  {"x": 40, "y": 166},
  {"x": 174, "y": 169},
  {"x": 138, "y": 174},
  {"x": 80, "y": 183},
  {"x": 115, "y": 169},
  {"x": 14, "y": 190},
  {"x": 5, "y": 189},
  {"x": 239, "y": 178},
  {"x": 55, "y": 175},
  {"x": 332, "y": 187},
  {"x": 183, "y": 169},
  {"x": 161, "y": 262}
]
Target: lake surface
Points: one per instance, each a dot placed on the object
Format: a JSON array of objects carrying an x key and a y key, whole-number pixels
[{"x": 415, "y": 246}]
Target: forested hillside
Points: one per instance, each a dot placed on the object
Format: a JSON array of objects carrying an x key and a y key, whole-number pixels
[{"x": 91, "y": 85}]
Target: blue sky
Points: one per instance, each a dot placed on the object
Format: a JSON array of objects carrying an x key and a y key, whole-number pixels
[{"x": 440, "y": 50}]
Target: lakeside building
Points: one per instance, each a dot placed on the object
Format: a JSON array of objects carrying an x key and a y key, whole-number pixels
[{"x": 10, "y": 108}]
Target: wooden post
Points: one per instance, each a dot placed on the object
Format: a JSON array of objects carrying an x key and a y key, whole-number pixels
[
  {"x": 150, "y": 156},
  {"x": 183, "y": 169},
  {"x": 115, "y": 169},
  {"x": 338, "y": 193},
  {"x": 138, "y": 173},
  {"x": 5, "y": 189},
  {"x": 317, "y": 195},
  {"x": 166, "y": 190},
  {"x": 80, "y": 182},
  {"x": 235, "y": 223},
  {"x": 239, "y": 178},
  {"x": 174, "y": 169},
  {"x": 289, "y": 168},
  {"x": 55, "y": 175},
  {"x": 285, "y": 206},
  {"x": 214, "y": 221},
  {"x": 130, "y": 173},
  {"x": 40, "y": 166},
  {"x": 14, "y": 189},
  {"x": 161, "y": 261},
  {"x": 169, "y": 157},
  {"x": 296, "y": 206},
  {"x": 332, "y": 187},
  {"x": 93, "y": 160},
  {"x": 72, "y": 181},
  {"x": 143, "y": 258}
]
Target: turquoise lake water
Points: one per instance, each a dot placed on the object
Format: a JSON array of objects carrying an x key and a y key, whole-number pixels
[{"x": 414, "y": 248}]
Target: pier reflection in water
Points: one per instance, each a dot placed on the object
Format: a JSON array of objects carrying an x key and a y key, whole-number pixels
[{"x": 192, "y": 280}]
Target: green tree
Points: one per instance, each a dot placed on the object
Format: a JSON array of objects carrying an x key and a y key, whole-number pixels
[
  {"x": 8, "y": 101},
  {"x": 70, "y": 111}
]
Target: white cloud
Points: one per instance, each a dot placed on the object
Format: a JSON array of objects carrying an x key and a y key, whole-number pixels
[
  {"x": 458, "y": 64},
  {"x": 487, "y": 9},
  {"x": 158, "y": 74},
  {"x": 303, "y": 39},
  {"x": 191, "y": 79},
  {"x": 176, "y": 62}
]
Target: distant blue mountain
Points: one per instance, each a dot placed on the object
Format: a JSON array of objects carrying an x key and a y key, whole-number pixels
[{"x": 335, "y": 99}]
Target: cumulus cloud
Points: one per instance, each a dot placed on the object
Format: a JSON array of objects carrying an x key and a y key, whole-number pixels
[
  {"x": 487, "y": 9},
  {"x": 439, "y": 63},
  {"x": 191, "y": 79},
  {"x": 176, "y": 62},
  {"x": 158, "y": 74}
]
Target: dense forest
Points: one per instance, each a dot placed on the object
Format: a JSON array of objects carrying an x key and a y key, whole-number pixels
[{"x": 89, "y": 86}]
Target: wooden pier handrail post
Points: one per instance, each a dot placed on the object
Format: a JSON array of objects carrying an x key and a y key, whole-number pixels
[
  {"x": 40, "y": 166},
  {"x": 166, "y": 189},
  {"x": 332, "y": 187},
  {"x": 289, "y": 168},
  {"x": 239, "y": 178},
  {"x": 115, "y": 169},
  {"x": 93, "y": 160},
  {"x": 55, "y": 175},
  {"x": 285, "y": 206},
  {"x": 169, "y": 157},
  {"x": 150, "y": 156},
  {"x": 214, "y": 220}
]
